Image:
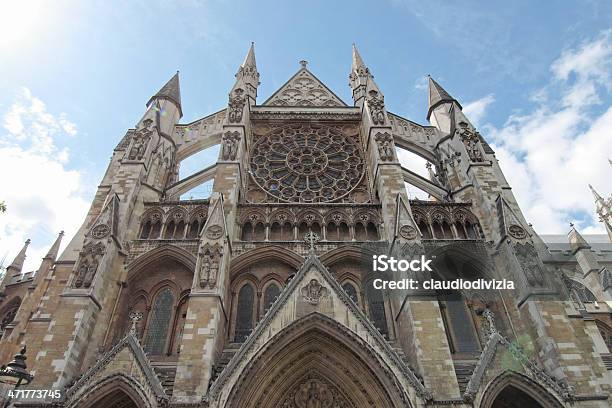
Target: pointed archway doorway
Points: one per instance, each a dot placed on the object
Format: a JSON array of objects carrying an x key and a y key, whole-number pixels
[
  {"x": 313, "y": 363},
  {"x": 514, "y": 390}
]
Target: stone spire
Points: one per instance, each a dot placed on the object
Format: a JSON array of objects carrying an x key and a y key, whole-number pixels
[
  {"x": 171, "y": 92},
  {"x": 357, "y": 61},
  {"x": 437, "y": 96},
  {"x": 54, "y": 250},
  {"x": 17, "y": 264},
  {"x": 247, "y": 77},
  {"x": 364, "y": 88},
  {"x": 604, "y": 210}
]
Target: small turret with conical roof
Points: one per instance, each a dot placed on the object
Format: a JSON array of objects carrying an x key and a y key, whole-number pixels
[
  {"x": 603, "y": 207},
  {"x": 15, "y": 267},
  {"x": 171, "y": 91}
]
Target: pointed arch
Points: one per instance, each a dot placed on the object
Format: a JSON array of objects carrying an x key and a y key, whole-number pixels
[
  {"x": 316, "y": 351},
  {"x": 519, "y": 385},
  {"x": 266, "y": 253},
  {"x": 116, "y": 388},
  {"x": 164, "y": 252}
]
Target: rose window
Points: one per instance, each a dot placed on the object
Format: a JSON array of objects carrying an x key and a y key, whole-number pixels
[{"x": 307, "y": 163}]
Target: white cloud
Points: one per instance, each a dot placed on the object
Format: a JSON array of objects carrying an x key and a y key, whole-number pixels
[
  {"x": 551, "y": 154},
  {"x": 41, "y": 194},
  {"x": 476, "y": 110}
]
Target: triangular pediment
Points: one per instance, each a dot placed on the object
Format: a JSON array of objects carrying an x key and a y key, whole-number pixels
[
  {"x": 125, "y": 363},
  {"x": 304, "y": 89},
  {"x": 313, "y": 292}
]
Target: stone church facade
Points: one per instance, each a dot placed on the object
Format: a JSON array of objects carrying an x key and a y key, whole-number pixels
[{"x": 259, "y": 296}]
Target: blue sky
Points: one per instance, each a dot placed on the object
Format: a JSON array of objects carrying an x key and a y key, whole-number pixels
[{"x": 534, "y": 76}]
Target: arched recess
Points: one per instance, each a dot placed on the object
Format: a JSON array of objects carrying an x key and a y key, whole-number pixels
[
  {"x": 162, "y": 253},
  {"x": 8, "y": 313},
  {"x": 168, "y": 267},
  {"x": 116, "y": 390},
  {"x": 263, "y": 254},
  {"x": 315, "y": 361},
  {"x": 524, "y": 393}
]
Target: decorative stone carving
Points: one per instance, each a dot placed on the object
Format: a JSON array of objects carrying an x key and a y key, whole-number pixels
[
  {"x": 517, "y": 231},
  {"x": 313, "y": 292},
  {"x": 408, "y": 232},
  {"x": 376, "y": 104},
  {"x": 304, "y": 90},
  {"x": 471, "y": 140},
  {"x": 214, "y": 232},
  {"x": 314, "y": 392},
  {"x": 384, "y": 141},
  {"x": 135, "y": 317},
  {"x": 606, "y": 278},
  {"x": 528, "y": 260},
  {"x": 100, "y": 231},
  {"x": 140, "y": 140},
  {"x": 236, "y": 106},
  {"x": 307, "y": 162},
  {"x": 311, "y": 239},
  {"x": 230, "y": 145},
  {"x": 89, "y": 259},
  {"x": 209, "y": 267}
]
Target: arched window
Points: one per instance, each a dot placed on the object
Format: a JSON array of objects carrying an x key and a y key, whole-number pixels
[
  {"x": 275, "y": 232},
  {"x": 194, "y": 229},
  {"x": 471, "y": 230},
  {"x": 287, "y": 231},
  {"x": 372, "y": 232},
  {"x": 303, "y": 230},
  {"x": 270, "y": 295},
  {"x": 332, "y": 232},
  {"x": 360, "y": 232},
  {"x": 459, "y": 325},
  {"x": 247, "y": 232},
  {"x": 437, "y": 230},
  {"x": 159, "y": 324},
  {"x": 179, "y": 232},
  {"x": 9, "y": 315},
  {"x": 343, "y": 232},
  {"x": 146, "y": 230},
  {"x": 169, "y": 233},
  {"x": 155, "y": 230},
  {"x": 351, "y": 292},
  {"x": 376, "y": 305},
  {"x": 461, "y": 234},
  {"x": 244, "y": 313},
  {"x": 259, "y": 232},
  {"x": 424, "y": 228},
  {"x": 446, "y": 230},
  {"x": 316, "y": 228}
]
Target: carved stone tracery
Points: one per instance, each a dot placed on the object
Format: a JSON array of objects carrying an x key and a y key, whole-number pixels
[{"x": 307, "y": 162}]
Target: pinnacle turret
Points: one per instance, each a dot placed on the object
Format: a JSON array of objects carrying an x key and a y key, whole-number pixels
[
  {"x": 171, "y": 91},
  {"x": 247, "y": 77},
  {"x": 357, "y": 61},
  {"x": 437, "y": 96},
  {"x": 54, "y": 250},
  {"x": 17, "y": 265},
  {"x": 576, "y": 239}
]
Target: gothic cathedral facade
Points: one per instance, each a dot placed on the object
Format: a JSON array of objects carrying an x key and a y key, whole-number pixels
[{"x": 258, "y": 295}]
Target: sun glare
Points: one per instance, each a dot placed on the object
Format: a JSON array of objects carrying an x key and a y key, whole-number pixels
[{"x": 21, "y": 21}]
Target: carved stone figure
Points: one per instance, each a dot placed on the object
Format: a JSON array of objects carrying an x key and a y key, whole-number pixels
[
  {"x": 209, "y": 267},
  {"x": 384, "y": 142},
  {"x": 471, "y": 140},
  {"x": 230, "y": 145},
  {"x": 377, "y": 108},
  {"x": 140, "y": 140},
  {"x": 236, "y": 106},
  {"x": 314, "y": 291},
  {"x": 528, "y": 259},
  {"x": 89, "y": 259}
]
